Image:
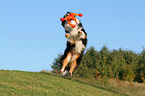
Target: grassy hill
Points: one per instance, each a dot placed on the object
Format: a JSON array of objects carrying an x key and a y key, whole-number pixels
[{"x": 19, "y": 83}]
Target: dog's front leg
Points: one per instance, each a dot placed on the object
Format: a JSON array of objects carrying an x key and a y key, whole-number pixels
[
  {"x": 82, "y": 35},
  {"x": 67, "y": 35},
  {"x": 69, "y": 38},
  {"x": 74, "y": 62}
]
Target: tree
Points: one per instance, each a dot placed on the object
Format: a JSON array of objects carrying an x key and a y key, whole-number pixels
[
  {"x": 119, "y": 64},
  {"x": 56, "y": 65}
]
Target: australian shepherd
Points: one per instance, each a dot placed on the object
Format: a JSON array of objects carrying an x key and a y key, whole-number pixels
[{"x": 76, "y": 44}]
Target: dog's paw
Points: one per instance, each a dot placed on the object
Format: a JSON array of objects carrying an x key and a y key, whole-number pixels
[
  {"x": 82, "y": 35},
  {"x": 67, "y": 35},
  {"x": 65, "y": 73},
  {"x": 80, "y": 32},
  {"x": 60, "y": 72},
  {"x": 70, "y": 74}
]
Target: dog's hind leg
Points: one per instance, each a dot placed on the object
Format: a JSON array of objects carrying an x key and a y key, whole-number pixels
[
  {"x": 65, "y": 62},
  {"x": 73, "y": 63}
]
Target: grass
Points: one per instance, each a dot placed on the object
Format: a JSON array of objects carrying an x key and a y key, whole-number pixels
[
  {"x": 121, "y": 87},
  {"x": 19, "y": 83},
  {"x": 111, "y": 84}
]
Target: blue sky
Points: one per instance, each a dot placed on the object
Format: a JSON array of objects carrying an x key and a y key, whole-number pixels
[{"x": 31, "y": 35}]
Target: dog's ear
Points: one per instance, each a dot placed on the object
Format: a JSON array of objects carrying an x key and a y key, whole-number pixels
[{"x": 68, "y": 12}]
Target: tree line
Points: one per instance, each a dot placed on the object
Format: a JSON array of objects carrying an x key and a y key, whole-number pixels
[{"x": 120, "y": 64}]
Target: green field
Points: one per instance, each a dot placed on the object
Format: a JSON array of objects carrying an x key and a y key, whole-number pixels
[{"x": 19, "y": 83}]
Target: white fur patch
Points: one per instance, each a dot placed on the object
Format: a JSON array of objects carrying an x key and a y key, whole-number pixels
[
  {"x": 79, "y": 46},
  {"x": 65, "y": 73},
  {"x": 70, "y": 39}
]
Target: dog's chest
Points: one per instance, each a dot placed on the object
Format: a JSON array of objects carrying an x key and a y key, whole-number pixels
[
  {"x": 79, "y": 46},
  {"x": 74, "y": 34}
]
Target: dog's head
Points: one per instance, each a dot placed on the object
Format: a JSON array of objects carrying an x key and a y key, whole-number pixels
[{"x": 67, "y": 26}]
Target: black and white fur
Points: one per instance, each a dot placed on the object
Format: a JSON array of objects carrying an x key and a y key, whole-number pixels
[{"x": 76, "y": 44}]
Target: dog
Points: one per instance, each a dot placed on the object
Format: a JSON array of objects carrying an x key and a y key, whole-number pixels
[{"x": 76, "y": 44}]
